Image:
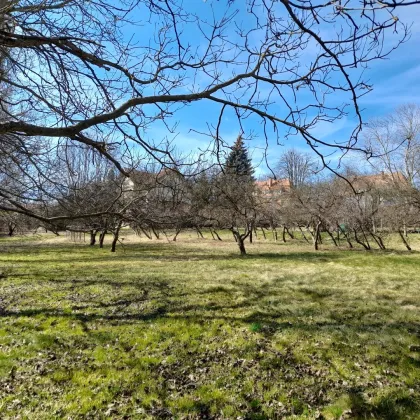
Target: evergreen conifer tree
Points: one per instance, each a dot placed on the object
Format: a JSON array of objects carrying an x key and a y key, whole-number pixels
[
  {"x": 236, "y": 194},
  {"x": 238, "y": 163}
]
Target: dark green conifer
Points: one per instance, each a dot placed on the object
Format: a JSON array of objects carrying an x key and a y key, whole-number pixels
[{"x": 238, "y": 163}]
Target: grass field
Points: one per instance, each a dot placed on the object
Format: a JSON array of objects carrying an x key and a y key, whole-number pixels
[{"x": 192, "y": 330}]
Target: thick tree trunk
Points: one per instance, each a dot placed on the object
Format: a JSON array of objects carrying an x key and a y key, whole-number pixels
[
  {"x": 116, "y": 235},
  {"x": 12, "y": 228},
  {"x": 250, "y": 236},
  {"x": 93, "y": 233},
  {"x": 102, "y": 238},
  {"x": 178, "y": 231},
  {"x": 241, "y": 244},
  {"x": 316, "y": 235},
  {"x": 240, "y": 240},
  {"x": 284, "y": 234},
  {"x": 319, "y": 235}
]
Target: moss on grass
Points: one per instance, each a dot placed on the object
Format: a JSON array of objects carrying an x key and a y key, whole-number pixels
[{"x": 192, "y": 330}]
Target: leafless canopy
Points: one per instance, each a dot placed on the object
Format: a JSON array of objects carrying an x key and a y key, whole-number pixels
[
  {"x": 295, "y": 166},
  {"x": 106, "y": 73},
  {"x": 395, "y": 142}
]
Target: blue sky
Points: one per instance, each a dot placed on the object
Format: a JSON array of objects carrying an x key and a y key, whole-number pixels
[{"x": 396, "y": 81}]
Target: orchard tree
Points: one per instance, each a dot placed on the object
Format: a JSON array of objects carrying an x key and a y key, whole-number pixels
[
  {"x": 237, "y": 200},
  {"x": 12, "y": 223},
  {"x": 107, "y": 73},
  {"x": 394, "y": 142}
]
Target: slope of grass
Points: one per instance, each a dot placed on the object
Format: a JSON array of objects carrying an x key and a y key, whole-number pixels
[{"x": 192, "y": 330}]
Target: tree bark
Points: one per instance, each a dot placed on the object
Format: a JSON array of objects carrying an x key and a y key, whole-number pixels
[
  {"x": 147, "y": 234},
  {"x": 102, "y": 238},
  {"x": 303, "y": 234},
  {"x": 217, "y": 235},
  {"x": 93, "y": 233},
  {"x": 240, "y": 239},
  {"x": 176, "y": 234},
  {"x": 319, "y": 235},
  {"x": 345, "y": 235},
  {"x": 12, "y": 228},
  {"x": 155, "y": 232},
  {"x": 290, "y": 234},
  {"x": 212, "y": 234},
  {"x": 116, "y": 235},
  {"x": 404, "y": 240},
  {"x": 241, "y": 244},
  {"x": 366, "y": 239},
  {"x": 263, "y": 232},
  {"x": 316, "y": 235},
  {"x": 356, "y": 238},
  {"x": 378, "y": 240},
  {"x": 331, "y": 236}
]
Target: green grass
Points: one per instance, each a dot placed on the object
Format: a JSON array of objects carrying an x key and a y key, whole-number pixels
[{"x": 192, "y": 330}]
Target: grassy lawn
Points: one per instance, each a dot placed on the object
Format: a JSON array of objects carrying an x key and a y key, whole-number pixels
[{"x": 192, "y": 330}]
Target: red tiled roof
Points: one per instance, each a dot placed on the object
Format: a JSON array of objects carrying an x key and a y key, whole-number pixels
[
  {"x": 378, "y": 180},
  {"x": 274, "y": 185}
]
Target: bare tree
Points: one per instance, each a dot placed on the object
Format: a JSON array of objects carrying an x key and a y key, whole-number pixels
[
  {"x": 395, "y": 144},
  {"x": 12, "y": 223},
  {"x": 76, "y": 76},
  {"x": 236, "y": 206},
  {"x": 296, "y": 166}
]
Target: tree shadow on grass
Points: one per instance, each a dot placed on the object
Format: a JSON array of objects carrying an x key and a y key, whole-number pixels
[
  {"x": 269, "y": 322},
  {"x": 313, "y": 257},
  {"x": 240, "y": 302},
  {"x": 84, "y": 317},
  {"x": 149, "y": 301},
  {"x": 389, "y": 407},
  {"x": 174, "y": 307}
]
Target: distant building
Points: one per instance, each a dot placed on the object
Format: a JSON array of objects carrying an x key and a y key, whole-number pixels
[
  {"x": 365, "y": 183},
  {"x": 274, "y": 188}
]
